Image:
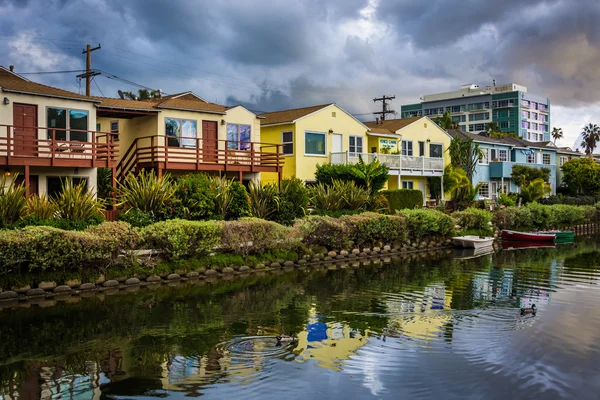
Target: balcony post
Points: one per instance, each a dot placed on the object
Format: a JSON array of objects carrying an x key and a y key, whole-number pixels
[
  {"x": 9, "y": 141},
  {"x": 27, "y": 181},
  {"x": 252, "y": 156},
  {"x": 422, "y": 165},
  {"x": 53, "y": 147},
  {"x": 442, "y": 180},
  {"x": 197, "y": 154},
  {"x": 347, "y": 156}
]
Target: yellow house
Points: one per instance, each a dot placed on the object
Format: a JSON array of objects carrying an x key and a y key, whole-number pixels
[
  {"x": 311, "y": 136},
  {"x": 412, "y": 148},
  {"x": 182, "y": 133}
]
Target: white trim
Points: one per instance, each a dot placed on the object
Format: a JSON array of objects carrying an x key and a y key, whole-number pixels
[
  {"x": 238, "y": 106},
  {"x": 191, "y": 110},
  {"x": 486, "y": 157},
  {"x": 412, "y": 148},
  {"x": 184, "y": 94},
  {"x": 362, "y": 144},
  {"x": 386, "y": 135},
  {"x": 126, "y": 108},
  {"x": 277, "y": 124},
  {"x": 316, "y": 155},
  {"x": 439, "y": 143},
  {"x": 67, "y": 127},
  {"x": 53, "y": 96},
  {"x": 293, "y": 142}
]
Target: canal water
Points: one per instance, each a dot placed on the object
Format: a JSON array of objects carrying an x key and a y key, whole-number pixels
[{"x": 447, "y": 326}]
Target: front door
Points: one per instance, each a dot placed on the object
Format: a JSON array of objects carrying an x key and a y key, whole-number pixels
[
  {"x": 337, "y": 143},
  {"x": 209, "y": 141},
  {"x": 423, "y": 188},
  {"x": 25, "y": 132}
]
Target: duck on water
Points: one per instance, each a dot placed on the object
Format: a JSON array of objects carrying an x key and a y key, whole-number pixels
[{"x": 529, "y": 310}]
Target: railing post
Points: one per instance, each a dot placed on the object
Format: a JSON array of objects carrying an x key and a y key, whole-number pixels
[
  {"x": 252, "y": 156},
  {"x": 8, "y": 144},
  {"x": 137, "y": 146},
  {"x": 94, "y": 137},
  {"x": 166, "y": 153},
  {"x": 422, "y": 165},
  {"x": 197, "y": 154},
  {"x": 226, "y": 153},
  {"x": 53, "y": 146},
  {"x": 152, "y": 147},
  {"x": 347, "y": 156}
]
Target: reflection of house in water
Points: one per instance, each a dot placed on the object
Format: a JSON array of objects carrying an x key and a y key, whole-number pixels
[
  {"x": 417, "y": 314},
  {"x": 328, "y": 344},
  {"x": 493, "y": 285}
]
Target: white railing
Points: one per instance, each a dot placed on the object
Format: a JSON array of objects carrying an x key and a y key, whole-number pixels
[{"x": 411, "y": 164}]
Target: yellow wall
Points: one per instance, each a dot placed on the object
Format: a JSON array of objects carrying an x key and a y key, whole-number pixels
[{"x": 273, "y": 134}]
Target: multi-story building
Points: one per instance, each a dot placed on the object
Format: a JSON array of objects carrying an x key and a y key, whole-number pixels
[{"x": 472, "y": 107}]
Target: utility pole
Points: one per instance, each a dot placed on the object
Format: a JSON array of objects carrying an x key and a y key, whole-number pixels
[
  {"x": 88, "y": 68},
  {"x": 384, "y": 110}
]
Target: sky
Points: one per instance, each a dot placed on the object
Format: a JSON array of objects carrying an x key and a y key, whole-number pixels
[{"x": 277, "y": 54}]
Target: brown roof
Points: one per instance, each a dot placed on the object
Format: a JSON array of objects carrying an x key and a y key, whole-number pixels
[
  {"x": 390, "y": 125},
  {"x": 289, "y": 116},
  {"x": 186, "y": 102},
  {"x": 11, "y": 82},
  {"x": 191, "y": 105},
  {"x": 125, "y": 103}
]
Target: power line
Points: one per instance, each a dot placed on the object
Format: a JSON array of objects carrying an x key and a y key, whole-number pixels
[
  {"x": 50, "y": 72},
  {"x": 96, "y": 83}
]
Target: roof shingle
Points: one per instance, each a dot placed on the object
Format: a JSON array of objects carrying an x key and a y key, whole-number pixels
[
  {"x": 390, "y": 125},
  {"x": 289, "y": 116}
]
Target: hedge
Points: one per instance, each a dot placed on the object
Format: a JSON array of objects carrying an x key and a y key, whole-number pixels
[
  {"x": 428, "y": 223},
  {"x": 253, "y": 236},
  {"x": 538, "y": 216},
  {"x": 400, "y": 199},
  {"x": 473, "y": 219}
]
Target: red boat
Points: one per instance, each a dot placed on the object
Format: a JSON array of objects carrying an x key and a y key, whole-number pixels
[
  {"x": 514, "y": 244},
  {"x": 528, "y": 236}
]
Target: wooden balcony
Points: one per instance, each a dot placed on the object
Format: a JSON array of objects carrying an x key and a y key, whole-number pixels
[
  {"x": 397, "y": 164},
  {"x": 155, "y": 152},
  {"x": 39, "y": 147}
]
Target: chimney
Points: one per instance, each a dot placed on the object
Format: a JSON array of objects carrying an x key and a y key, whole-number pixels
[
  {"x": 11, "y": 68},
  {"x": 376, "y": 120},
  {"x": 160, "y": 93}
]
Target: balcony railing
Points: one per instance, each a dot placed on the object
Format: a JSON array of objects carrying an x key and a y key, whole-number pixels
[
  {"x": 395, "y": 162},
  {"x": 200, "y": 155},
  {"x": 39, "y": 146}
]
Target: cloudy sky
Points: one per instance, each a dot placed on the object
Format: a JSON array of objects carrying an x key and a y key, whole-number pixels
[{"x": 277, "y": 54}]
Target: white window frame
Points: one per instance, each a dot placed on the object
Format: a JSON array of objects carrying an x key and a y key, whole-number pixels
[
  {"x": 115, "y": 131},
  {"x": 563, "y": 160},
  {"x": 499, "y": 154},
  {"x": 547, "y": 157},
  {"x": 67, "y": 128},
  {"x": 486, "y": 188},
  {"x": 325, "y": 140},
  {"x": 485, "y": 159},
  {"x": 283, "y": 143},
  {"x": 530, "y": 156},
  {"x": 356, "y": 138},
  {"x": 405, "y": 153},
  {"x": 406, "y": 184}
]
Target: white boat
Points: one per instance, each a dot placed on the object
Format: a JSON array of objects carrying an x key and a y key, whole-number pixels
[
  {"x": 464, "y": 254},
  {"x": 472, "y": 242}
]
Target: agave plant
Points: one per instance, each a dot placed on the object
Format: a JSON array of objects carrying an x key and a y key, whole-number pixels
[
  {"x": 146, "y": 192},
  {"x": 223, "y": 196},
  {"x": 326, "y": 198},
  {"x": 41, "y": 206},
  {"x": 264, "y": 199},
  {"x": 353, "y": 196},
  {"x": 12, "y": 202},
  {"x": 75, "y": 203}
]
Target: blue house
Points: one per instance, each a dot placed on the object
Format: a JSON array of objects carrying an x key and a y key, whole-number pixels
[{"x": 501, "y": 154}]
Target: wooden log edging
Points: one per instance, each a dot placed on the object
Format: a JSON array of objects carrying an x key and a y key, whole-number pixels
[{"x": 52, "y": 293}]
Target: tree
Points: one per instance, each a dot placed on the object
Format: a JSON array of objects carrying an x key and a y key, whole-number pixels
[
  {"x": 582, "y": 175},
  {"x": 369, "y": 172},
  {"x": 143, "y": 94},
  {"x": 465, "y": 154},
  {"x": 535, "y": 190},
  {"x": 445, "y": 121},
  {"x": 590, "y": 136},
  {"x": 491, "y": 128},
  {"x": 557, "y": 134},
  {"x": 521, "y": 174}
]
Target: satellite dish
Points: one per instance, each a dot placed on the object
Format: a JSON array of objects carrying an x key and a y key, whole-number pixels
[{"x": 121, "y": 94}]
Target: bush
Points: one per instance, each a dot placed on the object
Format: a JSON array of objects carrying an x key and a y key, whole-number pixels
[
  {"x": 41, "y": 207},
  {"x": 508, "y": 199},
  {"x": 114, "y": 239},
  {"x": 372, "y": 229},
  {"x": 194, "y": 198},
  {"x": 331, "y": 233},
  {"x": 400, "y": 199},
  {"x": 61, "y": 223},
  {"x": 514, "y": 218},
  {"x": 573, "y": 201},
  {"x": 146, "y": 192},
  {"x": 253, "y": 236},
  {"x": 293, "y": 201},
  {"x": 76, "y": 203},
  {"x": 339, "y": 195},
  {"x": 473, "y": 219},
  {"x": 137, "y": 218},
  {"x": 264, "y": 199},
  {"x": 180, "y": 239},
  {"x": 427, "y": 222},
  {"x": 12, "y": 202},
  {"x": 538, "y": 216},
  {"x": 327, "y": 173},
  {"x": 239, "y": 201}
]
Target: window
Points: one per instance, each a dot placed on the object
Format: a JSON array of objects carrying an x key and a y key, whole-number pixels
[
  {"x": 407, "y": 147},
  {"x": 479, "y": 117},
  {"x": 476, "y": 127},
  {"x": 436, "y": 150},
  {"x": 180, "y": 132},
  {"x": 455, "y": 109},
  {"x": 459, "y": 118},
  {"x": 546, "y": 159},
  {"x": 238, "y": 137},
  {"x": 530, "y": 157},
  {"x": 525, "y": 114},
  {"x": 544, "y": 127},
  {"x": 55, "y": 184},
  {"x": 67, "y": 124},
  {"x": 114, "y": 128},
  {"x": 314, "y": 143},
  {"x": 478, "y": 106},
  {"x": 410, "y": 114},
  {"x": 563, "y": 160},
  {"x": 484, "y": 190},
  {"x": 287, "y": 139},
  {"x": 333, "y": 114},
  {"x": 525, "y": 103},
  {"x": 504, "y": 103},
  {"x": 534, "y": 105},
  {"x": 484, "y": 159},
  {"x": 408, "y": 185},
  {"x": 502, "y": 155},
  {"x": 356, "y": 144},
  {"x": 542, "y": 107},
  {"x": 463, "y": 128},
  {"x": 534, "y": 116},
  {"x": 504, "y": 124},
  {"x": 524, "y": 124},
  {"x": 543, "y": 117},
  {"x": 534, "y": 126},
  {"x": 421, "y": 149}
]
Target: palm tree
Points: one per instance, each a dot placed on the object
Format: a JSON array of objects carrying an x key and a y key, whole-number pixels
[
  {"x": 590, "y": 136},
  {"x": 535, "y": 190},
  {"x": 492, "y": 127},
  {"x": 142, "y": 94},
  {"x": 445, "y": 121},
  {"x": 557, "y": 134}
]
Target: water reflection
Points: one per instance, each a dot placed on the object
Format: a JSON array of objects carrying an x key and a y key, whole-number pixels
[{"x": 447, "y": 327}]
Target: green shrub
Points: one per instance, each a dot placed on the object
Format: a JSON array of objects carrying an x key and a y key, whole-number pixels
[
  {"x": 264, "y": 199},
  {"x": 566, "y": 215},
  {"x": 253, "y": 236},
  {"x": 372, "y": 229},
  {"x": 514, "y": 218},
  {"x": 325, "y": 197},
  {"x": 76, "y": 204},
  {"x": 239, "y": 201},
  {"x": 180, "y": 239},
  {"x": 327, "y": 173},
  {"x": 41, "y": 206},
  {"x": 12, "y": 202},
  {"x": 574, "y": 201},
  {"x": 331, "y": 233},
  {"x": 194, "y": 197},
  {"x": 508, "y": 199},
  {"x": 427, "y": 222},
  {"x": 114, "y": 239},
  {"x": 293, "y": 201},
  {"x": 146, "y": 192},
  {"x": 339, "y": 195},
  {"x": 473, "y": 219},
  {"x": 542, "y": 216},
  {"x": 401, "y": 199},
  {"x": 137, "y": 218},
  {"x": 61, "y": 223}
]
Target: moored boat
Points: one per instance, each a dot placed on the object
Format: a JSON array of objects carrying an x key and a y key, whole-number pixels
[
  {"x": 528, "y": 236},
  {"x": 472, "y": 242},
  {"x": 563, "y": 236}
]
